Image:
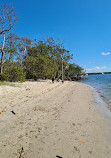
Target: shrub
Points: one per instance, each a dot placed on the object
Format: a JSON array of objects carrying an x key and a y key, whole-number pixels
[
  {"x": 13, "y": 74},
  {"x": 2, "y": 77}
]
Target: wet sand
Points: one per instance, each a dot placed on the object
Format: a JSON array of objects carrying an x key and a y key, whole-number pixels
[{"x": 45, "y": 120}]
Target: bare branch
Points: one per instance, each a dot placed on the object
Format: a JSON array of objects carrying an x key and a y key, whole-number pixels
[
  {"x": 2, "y": 32},
  {"x": 7, "y": 18},
  {"x": 7, "y": 21}
]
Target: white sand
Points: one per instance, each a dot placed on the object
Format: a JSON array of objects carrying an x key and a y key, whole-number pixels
[{"x": 50, "y": 120}]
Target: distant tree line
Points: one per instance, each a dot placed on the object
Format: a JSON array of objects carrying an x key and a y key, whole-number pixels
[{"x": 23, "y": 58}]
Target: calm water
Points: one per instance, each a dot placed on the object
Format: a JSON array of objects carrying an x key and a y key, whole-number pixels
[{"x": 102, "y": 83}]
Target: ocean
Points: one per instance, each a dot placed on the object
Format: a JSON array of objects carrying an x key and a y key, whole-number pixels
[{"x": 102, "y": 84}]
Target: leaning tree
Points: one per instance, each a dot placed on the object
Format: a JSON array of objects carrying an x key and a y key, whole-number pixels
[{"x": 7, "y": 20}]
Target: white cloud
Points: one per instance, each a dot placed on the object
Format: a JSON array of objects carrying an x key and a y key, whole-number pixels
[
  {"x": 105, "y": 53},
  {"x": 95, "y": 69},
  {"x": 89, "y": 62}
]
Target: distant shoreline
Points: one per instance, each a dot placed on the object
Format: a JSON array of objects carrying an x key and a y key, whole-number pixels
[{"x": 97, "y": 73}]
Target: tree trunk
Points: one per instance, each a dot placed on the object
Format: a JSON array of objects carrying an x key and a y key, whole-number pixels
[
  {"x": 2, "y": 62},
  {"x": 58, "y": 74},
  {"x": 2, "y": 53},
  {"x": 25, "y": 51},
  {"x": 62, "y": 72}
]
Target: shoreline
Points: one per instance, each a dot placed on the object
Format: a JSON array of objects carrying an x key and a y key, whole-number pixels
[
  {"x": 102, "y": 106},
  {"x": 100, "y": 101},
  {"x": 52, "y": 119},
  {"x": 101, "y": 88}
]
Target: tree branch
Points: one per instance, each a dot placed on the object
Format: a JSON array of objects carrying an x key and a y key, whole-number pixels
[{"x": 5, "y": 31}]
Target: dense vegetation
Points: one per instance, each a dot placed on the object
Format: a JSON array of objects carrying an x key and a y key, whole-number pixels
[{"x": 23, "y": 58}]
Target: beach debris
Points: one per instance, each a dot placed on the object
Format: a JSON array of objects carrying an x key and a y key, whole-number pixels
[
  {"x": 3, "y": 111},
  {"x": 73, "y": 124},
  {"x": 90, "y": 152},
  {"x": 81, "y": 141},
  {"x": 58, "y": 156},
  {"x": 13, "y": 112},
  {"x": 76, "y": 149},
  {"x": 20, "y": 151}
]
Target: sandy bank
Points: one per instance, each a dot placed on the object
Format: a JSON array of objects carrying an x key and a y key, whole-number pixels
[{"x": 50, "y": 120}]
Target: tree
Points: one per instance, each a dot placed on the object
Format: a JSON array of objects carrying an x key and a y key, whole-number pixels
[
  {"x": 23, "y": 45},
  {"x": 73, "y": 70},
  {"x": 78, "y": 70},
  {"x": 11, "y": 48},
  {"x": 38, "y": 63},
  {"x": 63, "y": 57},
  {"x": 60, "y": 55},
  {"x": 7, "y": 20}
]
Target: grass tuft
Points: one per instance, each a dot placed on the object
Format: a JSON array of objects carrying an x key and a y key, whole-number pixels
[{"x": 4, "y": 83}]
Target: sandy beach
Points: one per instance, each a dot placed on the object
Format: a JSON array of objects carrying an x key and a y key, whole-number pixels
[{"x": 46, "y": 120}]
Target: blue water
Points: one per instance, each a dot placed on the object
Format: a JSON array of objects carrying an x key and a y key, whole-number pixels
[{"x": 102, "y": 83}]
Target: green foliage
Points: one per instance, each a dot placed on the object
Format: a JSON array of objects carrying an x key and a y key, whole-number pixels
[
  {"x": 11, "y": 72},
  {"x": 73, "y": 70},
  {"x": 2, "y": 77},
  {"x": 44, "y": 59},
  {"x": 40, "y": 66},
  {"x": 37, "y": 59}
]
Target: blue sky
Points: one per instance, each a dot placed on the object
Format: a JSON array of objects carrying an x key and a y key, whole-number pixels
[{"x": 83, "y": 25}]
